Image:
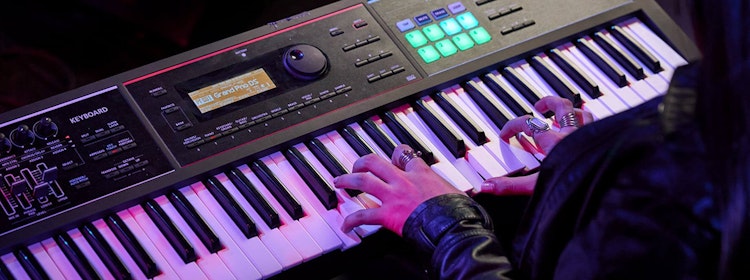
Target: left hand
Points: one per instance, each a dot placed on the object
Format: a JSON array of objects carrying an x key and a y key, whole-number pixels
[{"x": 400, "y": 191}]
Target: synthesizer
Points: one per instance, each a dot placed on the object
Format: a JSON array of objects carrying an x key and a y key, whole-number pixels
[{"x": 218, "y": 162}]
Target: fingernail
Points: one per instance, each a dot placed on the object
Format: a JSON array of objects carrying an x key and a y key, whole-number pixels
[
  {"x": 487, "y": 186},
  {"x": 335, "y": 179}
]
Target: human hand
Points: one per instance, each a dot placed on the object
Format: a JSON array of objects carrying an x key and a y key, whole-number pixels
[
  {"x": 400, "y": 190},
  {"x": 545, "y": 141},
  {"x": 567, "y": 118}
]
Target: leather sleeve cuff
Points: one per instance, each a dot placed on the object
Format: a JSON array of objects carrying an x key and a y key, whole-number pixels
[{"x": 449, "y": 214}]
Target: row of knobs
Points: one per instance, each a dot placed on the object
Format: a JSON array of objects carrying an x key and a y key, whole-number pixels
[{"x": 24, "y": 136}]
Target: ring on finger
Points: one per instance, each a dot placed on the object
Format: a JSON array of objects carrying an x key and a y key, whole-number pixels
[
  {"x": 569, "y": 119},
  {"x": 537, "y": 125},
  {"x": 406, "y": 156}
]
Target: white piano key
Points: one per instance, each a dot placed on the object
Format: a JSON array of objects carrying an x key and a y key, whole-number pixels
[
  {"x": 507, "y": 153},
  {"x": 348, "y": 156},
  {"x": 210, "y": 264},
  {"x": 318, "y": 229},
  {"x": 59, "y": 258},
  {"x": 517, "y": 96},
  {"x": 658, "y": 82},
  {"x": 45, "y": 261},
  {"x": 608, "y": 88},
  {"x": 476, "y": 155},
  {"x": 347, "y": 204},
  {"x": 122, "y": 254},
  {"x": 649, "y": 87},
  {"x": 14, "y": 266},
  {"x": 641, "y": 90},
  {"x": 365, "y": 137},
  {"x": 614, "y": 103},
  {"x": 450, "y": 168},
  {"x": 326, "y": 226},
  {"x": 657, "y": 45},
  {"x": 293, "y": 230},
  {"x": 183, "y": 270},
  {"x": 244, "y": 257},
  {"x": 597, "y": 107},
  {"x": 334, "y": 217},
  {"x": 153, "y": 251},
  {"x": 89, "y": 253}
]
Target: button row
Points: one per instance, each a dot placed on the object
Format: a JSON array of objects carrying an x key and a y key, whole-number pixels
[
  {"x": 423, "y": 19},
  {"x": 385, "y": 74},
  {"x": 448, "y": 47},
  {"x": 505, "y": 11},
  {"x": 517, "y": 26},
  {"x": 361, "y": 43},
  {"x": 102, "y": 134},
  {"x": 363, "y": 62}
]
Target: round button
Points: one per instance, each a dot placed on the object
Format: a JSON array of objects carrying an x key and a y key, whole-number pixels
[{"x": 305, "y": 62}]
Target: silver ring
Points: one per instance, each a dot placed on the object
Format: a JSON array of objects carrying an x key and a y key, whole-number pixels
[
  {"x": 406, "y": 156},
  {"x": 537, "y": 125},
  {"x": 568, "y": 119}
]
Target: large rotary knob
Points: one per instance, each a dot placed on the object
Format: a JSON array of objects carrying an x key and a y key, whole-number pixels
[
  {"x": 305, "y": 62},
  {"x": 22, "y": 136},
  {"x": 45, "y": 128}
]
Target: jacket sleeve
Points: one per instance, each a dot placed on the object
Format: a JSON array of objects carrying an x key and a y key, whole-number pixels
[{"x": 458, "y": 234}]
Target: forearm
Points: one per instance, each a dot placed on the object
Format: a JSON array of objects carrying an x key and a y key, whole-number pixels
[{"x": 458, "y": 234}]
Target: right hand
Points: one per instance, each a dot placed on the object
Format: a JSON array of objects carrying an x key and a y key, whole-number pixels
[{"x": 545, "y": 141}]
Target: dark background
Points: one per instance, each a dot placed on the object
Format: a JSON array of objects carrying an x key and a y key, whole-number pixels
[{"x": 48, "y": 47}]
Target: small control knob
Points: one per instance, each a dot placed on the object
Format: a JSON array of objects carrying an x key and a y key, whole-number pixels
[
  {"x": 45, "y": 128},
  {"x": 22, "y": 136},
  {"x": 5, "y": 144},
  {"x": 305, "y": 62}
]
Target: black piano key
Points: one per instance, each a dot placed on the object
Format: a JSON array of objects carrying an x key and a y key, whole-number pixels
[
  {"x": 404, "y": 133},
  {"x": 486, "y": 104},
  {"x": 619, "y": 55},
  {"x": 637, "y": 49},
  {"x": 556, "y": 81},
  {"x": 574, "y": 72},
  {"x": 30, "y": 264},
  {"x": 183, "y": 248},
  {"x": 524, "y": 87},
  {"x": 104, "y": 251},
  {"x": 457, "y": 114},
  {"x": 75, "y": 256},
  {"x": 278, "y": 190},
  {"x": 5, "y": 273},
  {"x": 378, "y": 135},
  {"x": 331, "y": 163},
  {"x": 355, "y": 141},
  {"x": 195, "y": 221},
  {"x": 606, "y": 65},
  {"x": 505, "y": 94},
  {"x": 319, "y": 186},
  {"x": 437, "y": 124},
  {"x": 131, "y": 245},
  {"x": 256, "y": 200},
  {"x": 240, "y": 218}
]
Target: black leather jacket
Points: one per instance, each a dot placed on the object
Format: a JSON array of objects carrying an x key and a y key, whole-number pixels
[{"x": 626, "y": 197}]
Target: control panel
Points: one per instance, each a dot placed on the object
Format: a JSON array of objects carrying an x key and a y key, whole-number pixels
[
  {"x": 70, "y": 154},
  {"x": 230, "y": 97},
  {"x": 442, "y": 34}
]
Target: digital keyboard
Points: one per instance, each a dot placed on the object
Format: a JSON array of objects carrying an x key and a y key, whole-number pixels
[{"x": 218, "y": 163}]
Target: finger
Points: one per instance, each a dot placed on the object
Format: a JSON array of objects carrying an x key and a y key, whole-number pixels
[
  {"x": 585, "y": 116},
  {"x": 522, "y": 185},
  {"x": 362, "y": 181},
  {"x": 556, "y": 104},
  {"x": 515, "y": 126},
  {"x": 398, "y": 157},
  {"x": 378, "y": 166},
  {"x": 360, "y": 217}
]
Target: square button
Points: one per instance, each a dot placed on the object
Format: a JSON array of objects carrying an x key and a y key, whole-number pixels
[
  {"x": 416, "y": 38},
  {"x": 450, "y": 26},
  {"x": 446, "y": 48},
  {"x": 456, "y": 7},
  {"x": 433, "y": 32},
  {"x": 463, "y": 41},
  {"x": 440, "y": 13},
  {"x": 467, "y": 20},
  {"x": 429, "y": 54},
  {"x": 405, "y": 25},
  {"x": 422, "y": 19},
  {"x": 480, "y": 35}
]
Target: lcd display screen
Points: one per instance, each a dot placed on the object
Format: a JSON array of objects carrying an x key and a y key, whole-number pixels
[{"x": 232, "y": 90}]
